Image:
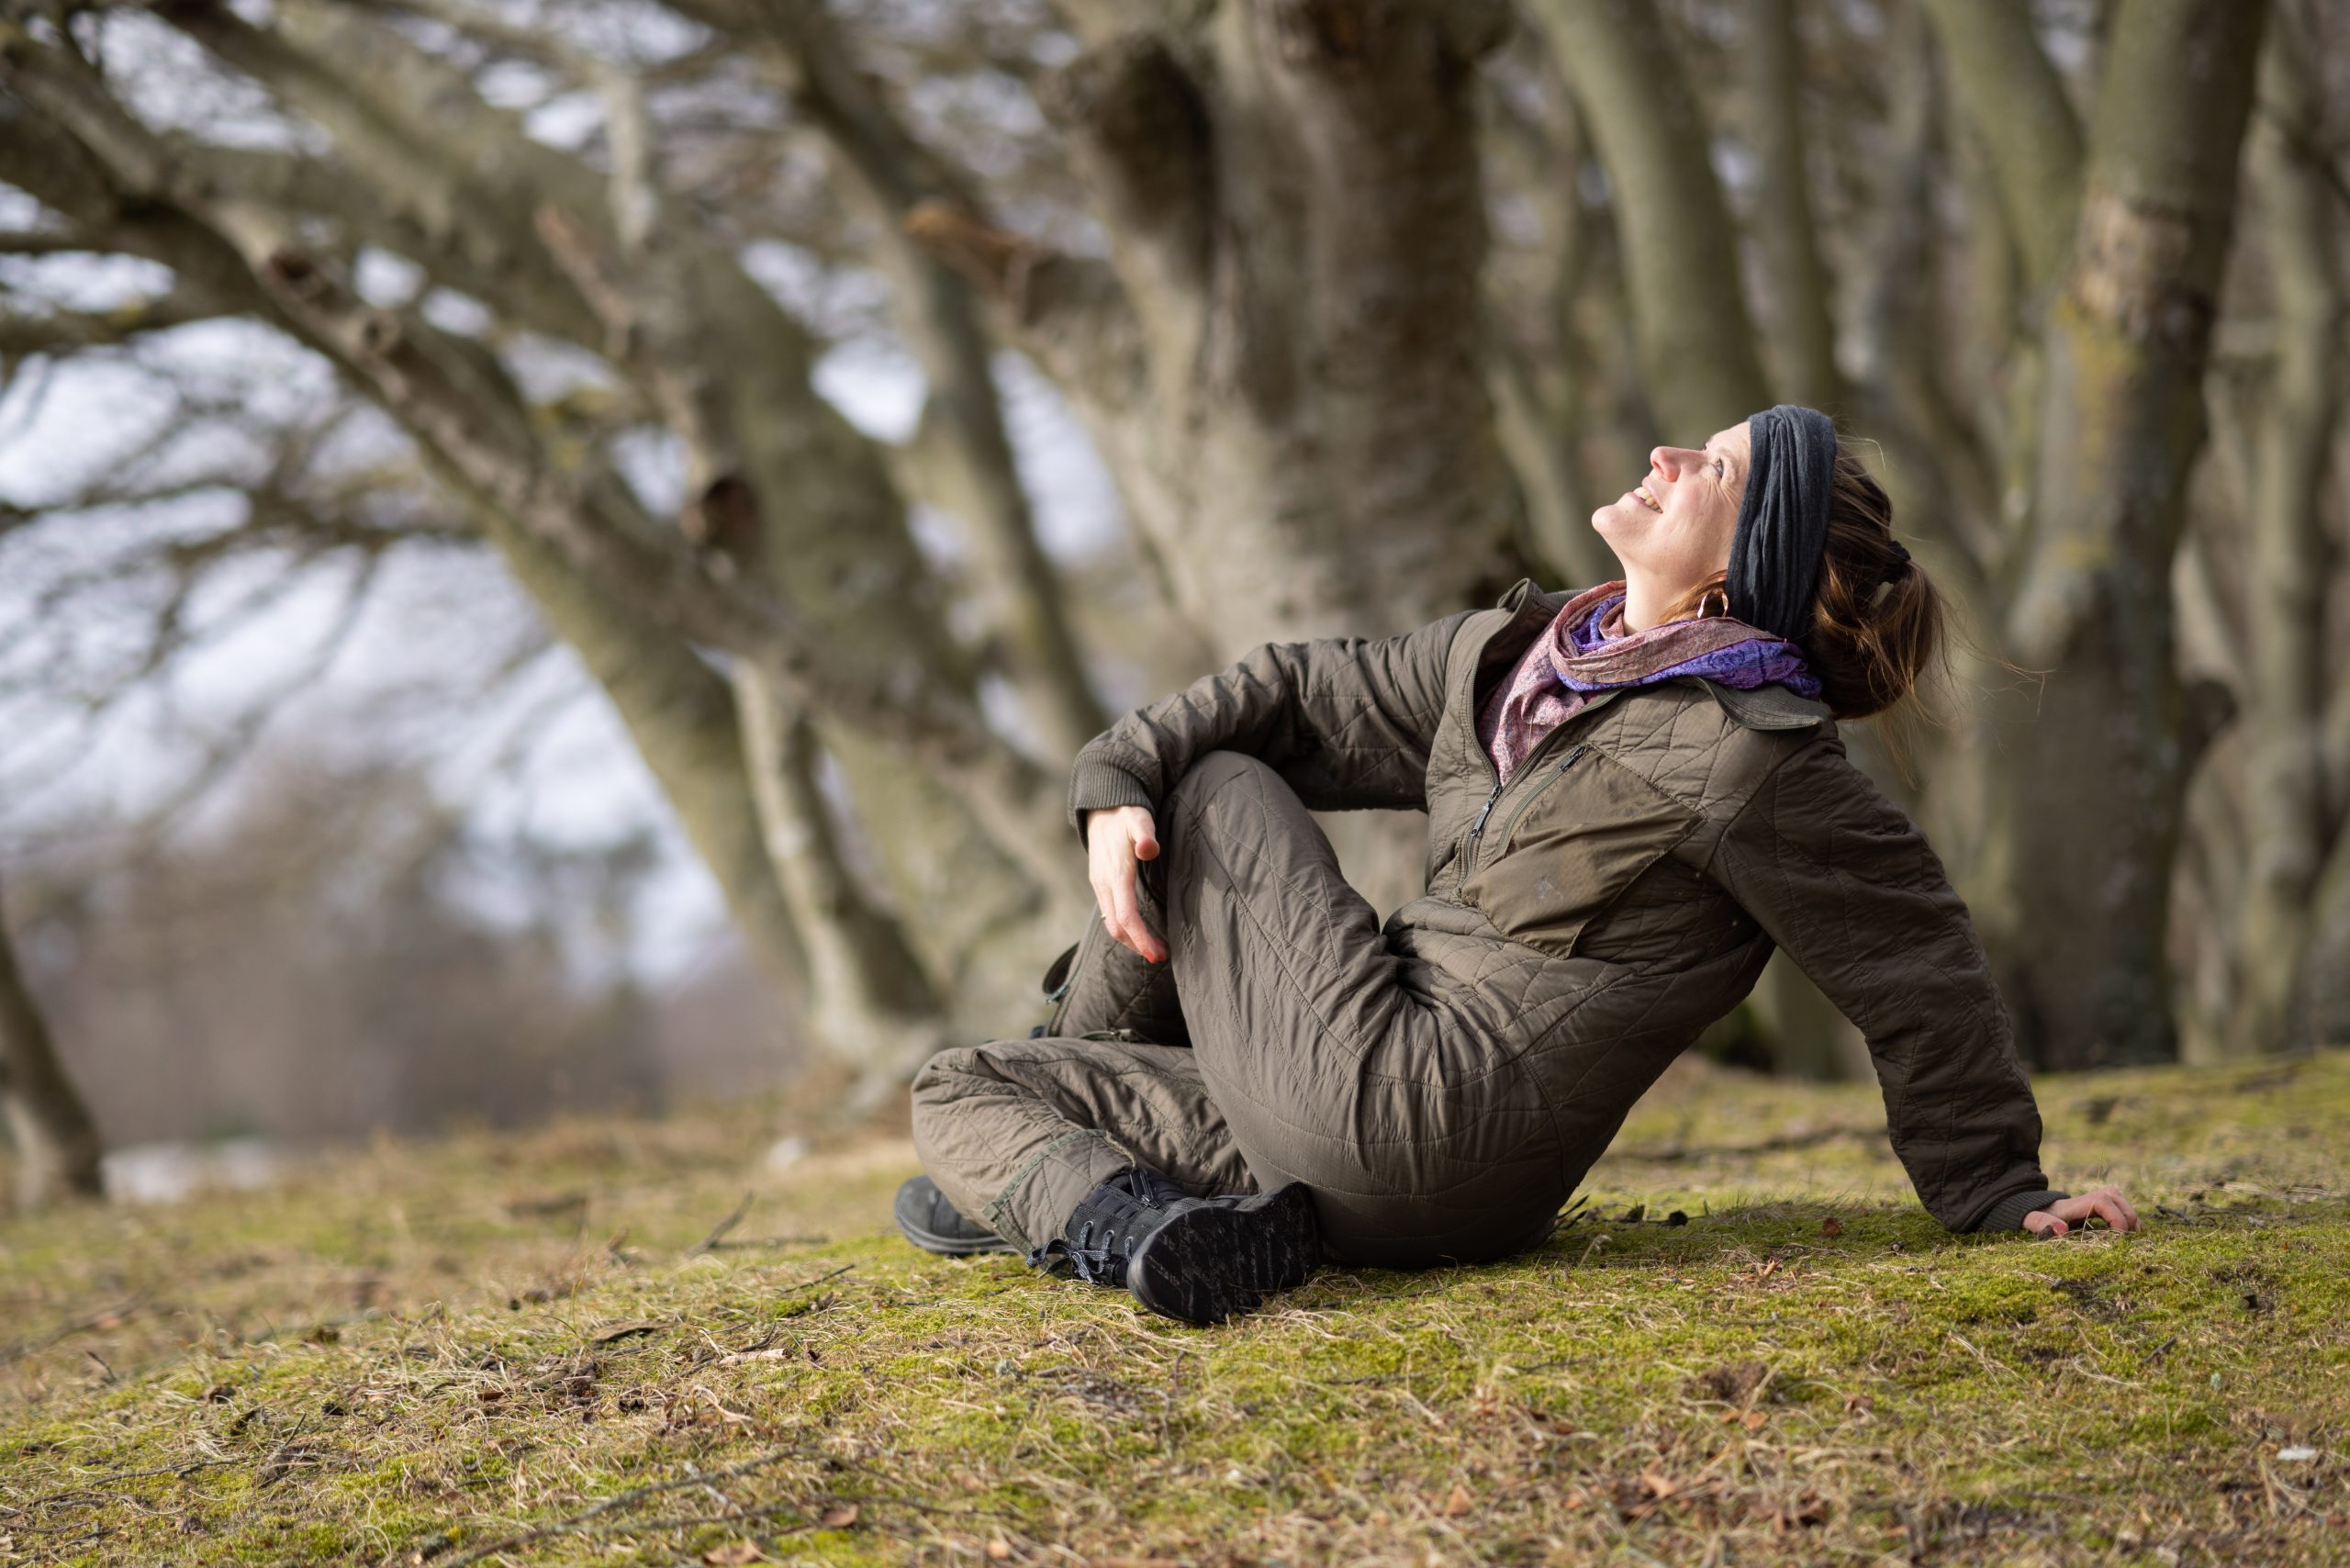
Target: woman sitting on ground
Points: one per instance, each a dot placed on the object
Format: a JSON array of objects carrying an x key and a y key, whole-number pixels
[{"x": 1634, "y": 793}]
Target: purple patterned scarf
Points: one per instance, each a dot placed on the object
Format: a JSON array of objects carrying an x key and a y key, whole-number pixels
[{"x": 1585, "y": 649}]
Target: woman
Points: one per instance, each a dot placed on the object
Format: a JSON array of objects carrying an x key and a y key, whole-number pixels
[{"x": 1634, "y": 793}]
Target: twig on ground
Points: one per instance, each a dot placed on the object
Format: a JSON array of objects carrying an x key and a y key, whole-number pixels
[
  {"x": 104, "y": 1317},
  {"x": 718, "y": 1232},
  {"x": 810, "y": 1284}
]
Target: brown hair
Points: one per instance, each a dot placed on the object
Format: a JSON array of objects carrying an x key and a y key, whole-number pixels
[{"x": 1869, "y": 649}]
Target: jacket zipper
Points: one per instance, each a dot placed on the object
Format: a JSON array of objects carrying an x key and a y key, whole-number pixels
[
  {"x": 1469, "y": 842},
  {"x": 1509, "y": 824}
]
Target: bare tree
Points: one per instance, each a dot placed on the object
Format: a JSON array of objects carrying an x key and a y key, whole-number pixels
[
  {"x": 2285, "y": 711},
  {"x": 55, "y": 1142},
  {"x": 1360, "y": 302},
  {"x": 2085, "y": 776}
]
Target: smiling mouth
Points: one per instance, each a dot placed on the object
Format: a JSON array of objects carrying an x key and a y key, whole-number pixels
[{"x": 1640, "y": 494}]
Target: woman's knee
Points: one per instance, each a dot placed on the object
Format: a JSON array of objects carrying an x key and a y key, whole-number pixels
[
  {"x": 947, "y": 1077},
  {"x": 943, "y": 1070},
  {"x": 1212, "y": 772}
]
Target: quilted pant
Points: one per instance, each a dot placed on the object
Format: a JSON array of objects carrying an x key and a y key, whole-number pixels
[{"x": 1280, "y": 1041}]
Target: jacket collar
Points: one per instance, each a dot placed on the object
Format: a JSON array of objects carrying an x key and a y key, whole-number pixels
[{"x": 1772, "y": 707}]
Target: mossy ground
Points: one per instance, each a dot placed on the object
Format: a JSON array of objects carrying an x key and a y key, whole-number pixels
[{"x": 513, "y": 1350}]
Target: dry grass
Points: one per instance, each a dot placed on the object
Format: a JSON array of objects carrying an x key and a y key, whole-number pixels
[{"x": 515, "y": 1350}]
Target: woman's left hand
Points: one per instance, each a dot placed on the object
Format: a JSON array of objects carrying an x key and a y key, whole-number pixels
[{"x": 2068, "y": 1214}]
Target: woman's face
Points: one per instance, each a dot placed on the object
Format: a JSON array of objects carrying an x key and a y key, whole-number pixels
[{"x": 1676, "y": 526}]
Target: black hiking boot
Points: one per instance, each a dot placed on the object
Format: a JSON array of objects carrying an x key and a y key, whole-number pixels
[
  {"x": 1200, "y": 1260},
  {"x": 933, "y": 1224}
]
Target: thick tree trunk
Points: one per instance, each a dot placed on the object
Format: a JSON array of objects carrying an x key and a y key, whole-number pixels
[
  {"x": 961, "y": 455},
  {"x": 2015, "y": 100},
  {"x": 2324, "y": 998},
  {"x": 55, "y": 1143},
  {"x": 2087, "y": 776},
  {"x": 1797, "y": 329},
  {"x": 1537, "y": 363},
  {"x": 680, "y": 714},
  {"x": 1282, "y": 361},
  {"x": 2285, "y": 696},
  {"x": 1698, "y": 356},
  {"x": 870, "y": 1001},
  {"x": 732, "y": 372}
]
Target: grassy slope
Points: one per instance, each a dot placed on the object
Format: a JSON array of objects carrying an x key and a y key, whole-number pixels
[{"x": 417, "y": 1352}]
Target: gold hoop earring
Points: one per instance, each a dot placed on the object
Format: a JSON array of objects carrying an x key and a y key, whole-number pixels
[{"x": 1707, "y": 598}]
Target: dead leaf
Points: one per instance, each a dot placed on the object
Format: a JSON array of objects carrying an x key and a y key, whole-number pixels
[
  {"x": 1459, "y": 1503},
  {"x": 999, "y": 1549},
  {"x": 734, "y": 1554},
  {"x": 1753, "y": 1420},
  {"x": 1832, "y": 1228},
  {"x": 1658, "y": 1484},
  {"x": 840, "y": 1516}
]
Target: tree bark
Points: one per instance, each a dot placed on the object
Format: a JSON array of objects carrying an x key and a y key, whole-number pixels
[
  {"x": 732, "y": 372},
  {"x": 1697, "y": 353},
  {"x": 2285, "y": 696},
  {"x": 2015, "y": 100},
  {"x": 1280, "y": 362},
  {"x": 56, "y": 1143},
  {"x": 1798, "y": 330},
  {"x": 1535, "y": 366},
  {"x": 870, "y": 1001},
  {"x": 2088, "y": 778},
  {"x": 961, "y": 450},
  {"x": 680, "y": 714}
]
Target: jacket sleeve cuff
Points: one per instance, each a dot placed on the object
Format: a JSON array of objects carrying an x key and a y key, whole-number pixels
[
  {"x": 2008, "y": 1212},
  {"x": 1094, "y": 784}
]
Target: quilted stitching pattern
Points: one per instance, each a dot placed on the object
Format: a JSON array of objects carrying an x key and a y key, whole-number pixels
[{"x": 1788, "y": 845}]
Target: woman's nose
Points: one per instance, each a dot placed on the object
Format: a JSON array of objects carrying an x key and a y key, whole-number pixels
[{"x": 1667, "y": 460}]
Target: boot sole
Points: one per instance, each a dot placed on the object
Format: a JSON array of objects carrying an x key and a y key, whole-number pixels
[{"x": 1206, "y": 1264}]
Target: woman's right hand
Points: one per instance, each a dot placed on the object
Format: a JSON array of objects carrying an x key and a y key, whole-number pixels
[{"x": 1117, "y": 840}]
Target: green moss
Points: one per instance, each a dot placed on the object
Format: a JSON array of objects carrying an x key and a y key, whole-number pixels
[{"x": 433, "y": 1350}]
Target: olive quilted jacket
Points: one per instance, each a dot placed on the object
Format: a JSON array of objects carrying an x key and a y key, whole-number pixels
[{"x": 1627, "y": 886}]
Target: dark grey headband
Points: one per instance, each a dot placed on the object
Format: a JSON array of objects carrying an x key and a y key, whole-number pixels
[{"x": 1783, "y": 519}]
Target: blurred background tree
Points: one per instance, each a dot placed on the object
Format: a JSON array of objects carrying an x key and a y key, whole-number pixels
[{"x": 861, "y": 400}]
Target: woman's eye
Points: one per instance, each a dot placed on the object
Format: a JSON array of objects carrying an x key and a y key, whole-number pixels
[{"x": 1719, "y": 472}]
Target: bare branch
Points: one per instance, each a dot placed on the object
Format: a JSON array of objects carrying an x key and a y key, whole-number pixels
[
  {"x": 63, "y": 332},
  {"x": 477, "y": 435}
]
